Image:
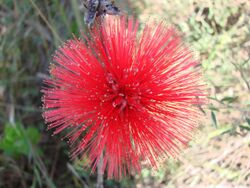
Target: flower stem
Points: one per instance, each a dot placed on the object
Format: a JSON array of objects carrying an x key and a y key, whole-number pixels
[{"x": 100, "y": 173}]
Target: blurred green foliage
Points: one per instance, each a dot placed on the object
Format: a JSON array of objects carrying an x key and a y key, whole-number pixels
[{"x": 17, "y": 140}]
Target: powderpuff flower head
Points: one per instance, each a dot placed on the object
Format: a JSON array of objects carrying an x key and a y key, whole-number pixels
[{"x": 124, "y": 95}]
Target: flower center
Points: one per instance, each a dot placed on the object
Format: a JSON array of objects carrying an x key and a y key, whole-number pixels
[
  {"x": 120, "y": 102},
  {"x": 119, "y": 99}
]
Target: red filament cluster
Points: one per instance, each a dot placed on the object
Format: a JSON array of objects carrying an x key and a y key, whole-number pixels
[{"x": 126, "y": 95}]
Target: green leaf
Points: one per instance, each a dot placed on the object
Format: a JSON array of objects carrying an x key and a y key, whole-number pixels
[
  {"x": 220, "y": 131},
  {"x": 229, "y": 99},
  {"x": 214, "y": 119},
  {"x": 12, "y": 142},
  {"x": 16, "y": 139},
  {"x": 38, "y": 176},
  {"x": 213, "y": 108},
  {"x": 245, "y": 127},
  {"x": 248, "y": 121}
]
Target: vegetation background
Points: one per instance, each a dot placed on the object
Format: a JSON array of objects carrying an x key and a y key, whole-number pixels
[{"x": 218, "y": 30}]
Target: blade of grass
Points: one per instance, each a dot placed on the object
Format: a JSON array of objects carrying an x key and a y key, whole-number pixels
[
  {"x": 77, "y": 14},
  {"x": 62, "y": 14},
  {"x": 57, "y": 37},
  {"x": 37, "y": 160}
]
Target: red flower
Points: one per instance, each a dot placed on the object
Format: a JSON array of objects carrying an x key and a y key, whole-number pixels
[{"x": 127, "y": 96}]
